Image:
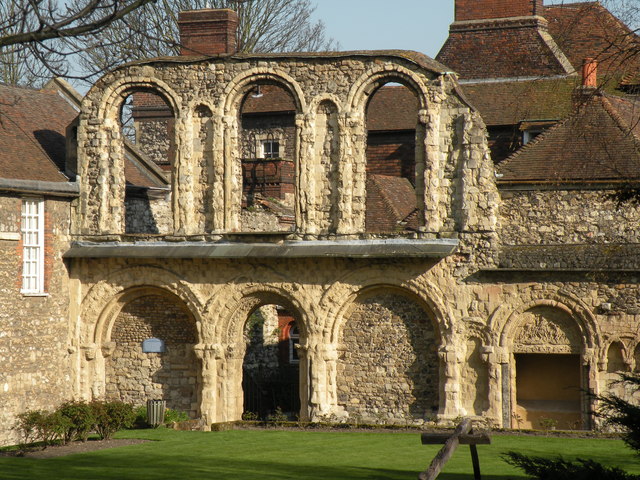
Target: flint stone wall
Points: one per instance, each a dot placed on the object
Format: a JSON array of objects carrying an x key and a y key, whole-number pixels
[
  {"x": 388, "y": 367},
  {"x": 37, "y": 343},
  {"x": 134, "y": 376}
]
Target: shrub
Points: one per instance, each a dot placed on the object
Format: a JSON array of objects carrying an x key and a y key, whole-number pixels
[
  {"x": 81, "y": 417},
  {"x": 140, "y": 417},
  {"x": 171, "y": 416},
  {"x": 278, "y": 417},
  {"x": 41, "y": 426},
  {"x": 27, "y": 424},
  {"x": 111, "y": 417}
]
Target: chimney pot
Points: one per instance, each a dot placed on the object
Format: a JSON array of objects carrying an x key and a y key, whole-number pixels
[
  {"x": 208, "y": 32},
  {"x": 590, "y": 73}
]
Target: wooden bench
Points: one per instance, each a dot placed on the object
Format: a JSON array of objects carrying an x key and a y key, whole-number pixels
[{"x": 462, "y": 435}]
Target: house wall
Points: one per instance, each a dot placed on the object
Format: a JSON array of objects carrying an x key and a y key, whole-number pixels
[{"x": 36, "y": 339}]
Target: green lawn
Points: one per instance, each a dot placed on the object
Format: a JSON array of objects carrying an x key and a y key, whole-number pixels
[{"x": 308, "y": 455}]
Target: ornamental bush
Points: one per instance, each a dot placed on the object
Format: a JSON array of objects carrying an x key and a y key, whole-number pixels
[
  {"x": 111, "y": 417},
  {"x": 81, "y": 417}
]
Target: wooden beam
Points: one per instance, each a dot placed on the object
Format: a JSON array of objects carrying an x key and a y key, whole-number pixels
[
  {"x": 446, "y": 452},
  {"x": 466, "y": 439}
]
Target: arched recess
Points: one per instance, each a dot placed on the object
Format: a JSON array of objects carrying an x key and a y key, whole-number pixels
[
  {"x": 207, "y": 174},
  {"x": 475, "y": 376},
  {"x": 260, "y": 379},
  {"x": 388, "y": 367},
  {"x": 616, "y": 364},
  {"x": 541, "y": 336},
  {"x": 394, "y": 152},
  {"x": 103, "y": 207},
  {"x": 262, "y": 152},
  {"x": 324, "y": 173},
  {"x": 148, "y": 345}
]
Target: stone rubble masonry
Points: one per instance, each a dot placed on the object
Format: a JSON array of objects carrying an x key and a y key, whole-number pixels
[
  {"x": 459, "y": 321},
  {"x": 36, "y": 346}
]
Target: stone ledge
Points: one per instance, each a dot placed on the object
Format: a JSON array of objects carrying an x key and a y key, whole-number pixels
[{"x": 396, "y": 248}]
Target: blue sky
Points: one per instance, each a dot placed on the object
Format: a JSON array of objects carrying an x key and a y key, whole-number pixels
[{"x": 420, "y": 25}]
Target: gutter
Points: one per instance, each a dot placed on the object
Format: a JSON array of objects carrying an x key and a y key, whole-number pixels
[{"x": 59, "y": 189}]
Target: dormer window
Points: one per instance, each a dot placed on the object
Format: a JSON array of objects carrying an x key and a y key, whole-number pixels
[{"x": 529, "y": 135}]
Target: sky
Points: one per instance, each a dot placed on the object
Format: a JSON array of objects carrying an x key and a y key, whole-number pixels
[{"x": 420, "y": 25}]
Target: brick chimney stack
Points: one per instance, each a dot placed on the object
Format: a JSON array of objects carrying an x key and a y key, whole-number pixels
[
  {"x": 487, "y": 9},
  {"x": 208, "y": 32},
  {"x": 589, "y": 73}
]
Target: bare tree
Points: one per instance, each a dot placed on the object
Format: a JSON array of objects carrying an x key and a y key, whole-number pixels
[
  {"x": 264, "y": 26},
  {"x": 37, "y": 37}
]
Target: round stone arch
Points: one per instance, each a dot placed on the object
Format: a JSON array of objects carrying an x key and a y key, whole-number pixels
[
  {"x": 552, "y": 330},
  {"x": 506, "y": 321},
  {"x": 388, "y": 356},
  {"x": 237, "y": 87},
  {"x": 148, "y": 350},
  {"x": 113, "y": 94},
  {"x": 235, "y": 311},
  {"x": 359, "y": 94},
  {"x": 315, "y": 102},
  {"x": 101, "y": 302},
  {"x": 340, "y": 296}
]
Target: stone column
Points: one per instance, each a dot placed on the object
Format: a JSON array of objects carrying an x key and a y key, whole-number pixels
[
  {"x": 352, "y": 173},
  {"x": 322, "y": 390},
  {"x": 590, "y": 384},
  {"x": 452, "y": 359},
  {"x": 184, "y": 220},
  {"x": 93, "y": 372},
  {"x": 209, "y": 354},
  {"x": 494, "y": 371},
  {"x": 230, "y": 372},
  {"x": 306, "y": 171},
  {"x": 430, "y": 118},
  {"x": 232, "y": 175}
]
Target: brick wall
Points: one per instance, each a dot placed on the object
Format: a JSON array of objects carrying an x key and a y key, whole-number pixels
[
  {"x": 391, "y": 153},
  {"x": 485, "y": 9}
]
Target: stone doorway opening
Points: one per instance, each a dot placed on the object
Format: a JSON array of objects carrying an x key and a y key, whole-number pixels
[
  {"x": 271, "y": 365},
  {"x": 548, "y": 391}
]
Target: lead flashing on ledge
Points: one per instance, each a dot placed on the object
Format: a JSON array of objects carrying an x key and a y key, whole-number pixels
[{"x": 396, "y": 248}]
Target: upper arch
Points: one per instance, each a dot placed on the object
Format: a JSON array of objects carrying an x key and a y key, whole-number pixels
[
  {"x": 234, "y": 91},
  {"x": 375, "y": 78}
]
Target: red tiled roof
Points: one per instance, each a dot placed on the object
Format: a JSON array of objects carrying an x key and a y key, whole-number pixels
[
  {"x": 588, "y": 30},
  {"x": 271, "y": 99},
  {"x": 598, "y": 142},
  {"x": 32, "y": 134},
  {"x": 391, "y": 201},
  {"x": 509, "y": 103},
  {"x": 392, "y": 108}
]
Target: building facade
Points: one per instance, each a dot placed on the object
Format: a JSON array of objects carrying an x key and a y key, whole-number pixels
[{"x": 424, "y": 289}]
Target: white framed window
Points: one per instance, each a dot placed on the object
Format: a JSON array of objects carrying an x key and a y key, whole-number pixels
[
  {"x": 32, "y": 246},
  {"x": 271, "y": 149},
  {"x": 294, "y": 340}
]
